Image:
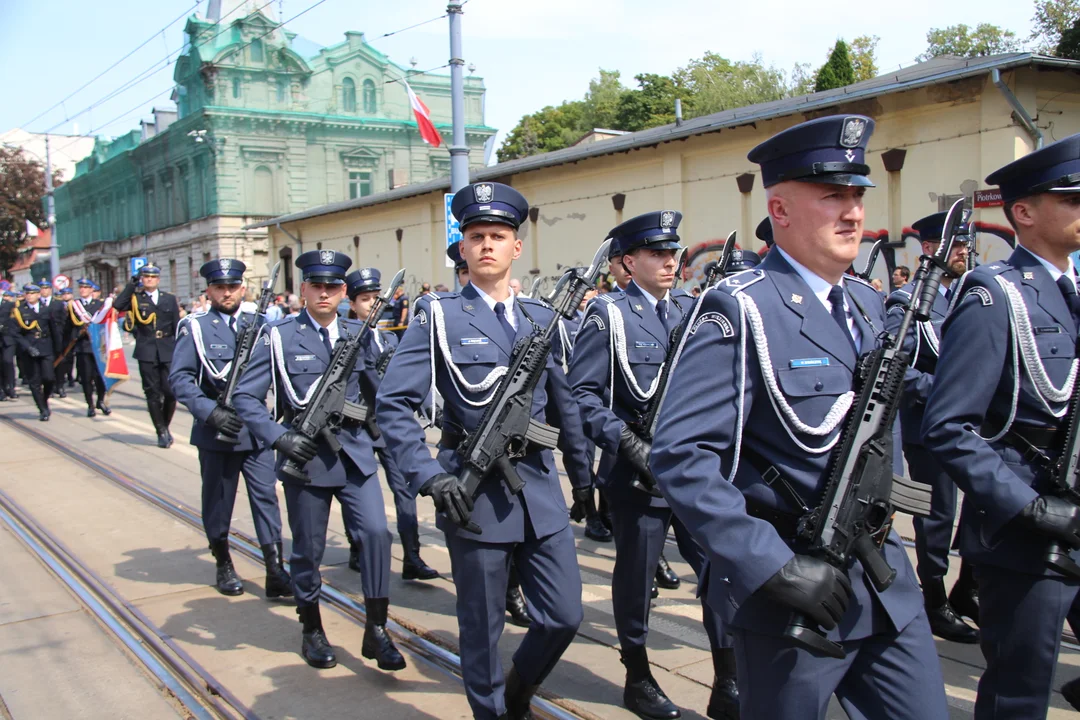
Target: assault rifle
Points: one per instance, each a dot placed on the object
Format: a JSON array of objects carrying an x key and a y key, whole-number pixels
[
  {"x": 507, "y": 429},
  {"x": 871, "y": 260},
  {"x": 645, "y": 426},
  {"x": 327, "y": 408},
  {"x": 245, "y": 343},
  {"x": 855, "y": 508}
]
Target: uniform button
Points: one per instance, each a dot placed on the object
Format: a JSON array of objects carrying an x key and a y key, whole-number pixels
[
  {"x": 475, "y": 357},
  {"x": 646, "y": 358},
  {"x": 819, "y": 386},
  {"x": 1053, "y": 349}
]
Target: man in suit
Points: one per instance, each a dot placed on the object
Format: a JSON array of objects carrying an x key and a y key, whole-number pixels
[
  {"x": 614, "y": 393},
  {"x": 202, "y": 359},
  {"x": 762, "y": 386},
  {"x": 995, "y": 421},
  {"x": 933, "y": 534},
  {"x": 459, "y": 345},
  {"x": 78, "y": 315},
  {"x": 32, "y": 326},
  {"x": 291, "y": 355},
  {"x": 153, "y": 316},
  {"x": 7, "y": 348}
]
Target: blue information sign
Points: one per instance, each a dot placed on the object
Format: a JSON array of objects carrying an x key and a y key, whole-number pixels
[{"x": 453, "y": 227}]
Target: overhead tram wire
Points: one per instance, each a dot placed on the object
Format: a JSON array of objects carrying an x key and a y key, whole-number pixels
[{"x": 111, "y": 67}]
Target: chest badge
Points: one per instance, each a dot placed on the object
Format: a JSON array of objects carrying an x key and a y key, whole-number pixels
[
  {"x": 638, "y": 307},
  {"x": 796, "y": 298},
  {"x": 1029, "y": 276}
]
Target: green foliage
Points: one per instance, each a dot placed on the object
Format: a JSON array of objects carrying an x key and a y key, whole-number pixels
[
  {"x": 551, "y": 128},
  {"x": 652, "y": 104},
  {"x": 963, "y": 41},
  {"x": 802, "y": 80},
  {"x": 1069, "y": 45},
  {"x": 22, "y": 189},
  {"x": 601, "y": 104},
  {"x": 1052, "y": 20},
  {"x": 864, "y": 57},
  {"x": 837, "y": 72},
  {"x": 716, "y": 83}
]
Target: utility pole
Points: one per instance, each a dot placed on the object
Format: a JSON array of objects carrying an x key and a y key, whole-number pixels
[
  {"x": 54, "y": 249},
  {"x": 459, "y": 151}
]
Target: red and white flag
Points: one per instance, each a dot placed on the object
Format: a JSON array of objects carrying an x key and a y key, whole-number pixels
[{"x": 423, "y": 119}]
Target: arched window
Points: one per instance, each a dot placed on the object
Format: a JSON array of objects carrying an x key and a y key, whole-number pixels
[
  {"x": 348, "y": 95},
  {"x": 236, "y": 87},
  {"x": 369, "y": 97},
  {"x": 264, "y": 191},
  {"x": 256, "y": 51}
]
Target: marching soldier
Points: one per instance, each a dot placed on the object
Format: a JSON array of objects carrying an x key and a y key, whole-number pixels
[
  {"x": 291, "y": 355},
  {"x": 203, "y": 356},
  {"x": 153, "y": 315},
  {"x": 933, "y": 534},
  {"x": 743, "y": 446},
  {"x": 35, "y": 337},
  {"x": 613, "y": 394},
  {"x": 78, "y": 315},
  {"x": 363, "y": 287},
  {"x": 7, "y": 348},
  {"x": 54, "y": 306},
  {"x": 995, "y": 422},
  {"x": 457, "y": 345},
  {"x": 66, "y": 366}
]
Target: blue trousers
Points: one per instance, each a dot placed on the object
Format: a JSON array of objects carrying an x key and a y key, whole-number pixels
[
  {"x": 365, "y": 518},
  {"x": 551, "y": 582},
  {"x": 404, "y": 502},
  {"x": 220, "y": 477},
  {"x": 895, "y": 676},
  {"x": 933, "y": 534},
  {"x": 1020, "y": 620}
]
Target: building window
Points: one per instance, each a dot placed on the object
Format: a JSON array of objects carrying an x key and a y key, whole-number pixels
[
  {"x": 236, "y": 87},
  {"x": 264, "y": 191},
  {"x": 282, "y": 89},
  {"x": 359, "y": 183},
  {"x": 256, "y": 51},
  {"x": 369, "y": 97},
  {"x": 348, "y": 95}
]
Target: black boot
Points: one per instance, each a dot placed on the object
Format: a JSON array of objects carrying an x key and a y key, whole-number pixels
[
  {"x": 665, "y": 576},
  {"x": 515, "y": 603},
  {"x": 642, "y": 696},
  {"x": 278, "y": 582},
  {"x": 517, "y": 695},
  {"x": 964, "y": 597},
  {"x": 168, "y": 409},
  {"x": 724, "y": 701},
  {"x": 413, "y": 566},
  {"x": 227, "y": 581},
  {"x": 1071, "y": 692},
  {"x": 655, "y": 592},
  {"x": 157, "y": 418},
  {"x": 595, "y": 529},
  {"x": 944, "y": 622},
  {"x": 103, "y": 407},
  {"x": 377, "y": 644},
  {"x": 315, "y": 648}
]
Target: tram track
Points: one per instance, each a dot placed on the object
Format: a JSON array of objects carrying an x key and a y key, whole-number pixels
[
  {"x": 416, "y": 640},
  {"x": 176, "y": 673}
]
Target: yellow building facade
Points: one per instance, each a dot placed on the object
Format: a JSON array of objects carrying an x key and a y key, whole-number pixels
[{"x": 941, "y": 127}]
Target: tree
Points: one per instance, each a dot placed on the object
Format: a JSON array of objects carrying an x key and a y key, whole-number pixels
[
  {"x": 837, "y": 71},
  {"x": 864, "y": 57},
  {"x": 551, "y": 128},
  {"x": 601, "y": 104},
  {"x": 1069, "y": 45},
  {"x": 802, "y": 80},
  {"x": 717, "y": 84},
  {"x": 22, "y": 188},
  {"x": 652, "y": 104},
  {"x": 1052, "y": 20},
  {"x": 962, "y": 41}
]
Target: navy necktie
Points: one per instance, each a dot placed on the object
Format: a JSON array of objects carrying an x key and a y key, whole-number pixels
[
  {"x": 662, "y": 313},
  {"x": 232, "y": 325},
  {"x": 836, "y": 299},
  {"x": 500, "y": 313},
  {"x": 1068, "y": 289},
  {"x": 326, "y": 340}
]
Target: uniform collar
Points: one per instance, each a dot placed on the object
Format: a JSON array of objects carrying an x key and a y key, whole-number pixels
[
  {"x": 511, "y": 314},
  {"x": 333, "y": 328},
  {"x": 818, "y": 285},
  {"x": 648, "y": 296},
  {"x": 1050, "y": 267}
]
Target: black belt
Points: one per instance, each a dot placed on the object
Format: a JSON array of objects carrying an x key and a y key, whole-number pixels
[
  {"x": 1026, "y": 436},
  {"x": 786, "y": 524}
]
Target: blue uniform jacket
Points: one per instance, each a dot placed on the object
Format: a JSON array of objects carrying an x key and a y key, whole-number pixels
[
  {"x": 191, "y": 380},
  {"x": 808, "y": 367},
  {"x": 378, "y": 342},
  {"x": 475, "y": 345},
  {"x": 922, "y": 342},
  {"x": 593, "y": 364},
  {"x": 305, "y": 358},
  {"x": 975, "y": 382}
]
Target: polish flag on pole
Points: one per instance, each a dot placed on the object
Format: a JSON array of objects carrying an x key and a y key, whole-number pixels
[{"x": 423, "y": 119}]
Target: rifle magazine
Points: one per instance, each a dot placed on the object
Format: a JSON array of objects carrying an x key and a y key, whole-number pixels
[
  {"x": 911, "y": 497},
  {"x": 543, "y": 435}
]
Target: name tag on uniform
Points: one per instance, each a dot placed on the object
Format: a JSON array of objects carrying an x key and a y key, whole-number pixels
[
  {"x": 474, "y": 341},
  {"x": 302, "y": 358},
  {"x": 219, "y": 347},
  {"x": 809, "y": 362},
  {"x": 642, "y": 344},
  {"x": 1045, "y": 330}
]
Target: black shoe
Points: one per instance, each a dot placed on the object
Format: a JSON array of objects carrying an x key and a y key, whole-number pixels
[
  {"x": 655, "y": 592},
  {"x": 44, "y": 416},
  {"x": 1071, "y": 692},
  {"x": 227, "y": 582},
  {"x": 168, "y": 438},
  {"x": 641, "y": 695},
  {"x": 377, "y": 643},
  {"x": 944, "y": 622},
  {"x": 724, "y": 700},
  {"x": 90, "y": 412},
  {"x": 516, "y": 608},
  {"x": 315, "y": 648},
  {"x": 596, "y": 530},
  {"x": 413, "y": 566},
  {"x": 665, "y": 576},
  {"x": 354, "y": 557},
  {"x": 517, "y": 696},
  {"x": 103, "y": 408},
  {"x": 964, "y": 597},
  {"x": 278, "y": 582},
  {"x": 162, "y": 441},
  {"x": 61, "y": 392}
]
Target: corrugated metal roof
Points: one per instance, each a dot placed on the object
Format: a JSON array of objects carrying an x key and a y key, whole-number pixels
[{"x": 932, "y": 72}]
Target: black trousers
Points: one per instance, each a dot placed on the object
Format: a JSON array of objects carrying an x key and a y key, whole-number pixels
[
  {"x": 90, "y": 378},
  {"x": 160, "y": 400},
  {"x": 39, "y": 377},
  {"x": 7, "y": 368}
]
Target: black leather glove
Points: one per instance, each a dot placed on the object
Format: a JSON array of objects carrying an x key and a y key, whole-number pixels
[
  {"x": 225, "y": 421},
  {"x": 33, "y": 352},
  {"x": 135, "y": 279},
  {"x": 450, "y": 497},
  {"x": 812, "y": 587},
  {"x": 636, "y": 452},
  {"x": 584, "y": 504},
  {"x": 297, "y": 447},
  {"x": 1053, "y": 517}
]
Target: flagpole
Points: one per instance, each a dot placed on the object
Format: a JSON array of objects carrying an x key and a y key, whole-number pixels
[
  {"x": 54, "y": 248},
  {"x": 459, "y": 151}
]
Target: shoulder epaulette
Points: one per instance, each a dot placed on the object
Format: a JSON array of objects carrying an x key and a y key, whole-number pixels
[
  {"x": 857, "y": 279},
  {"x": 741, "y": 280}
]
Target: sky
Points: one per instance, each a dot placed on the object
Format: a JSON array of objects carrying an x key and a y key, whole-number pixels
[{"x": 530, "y": 54}]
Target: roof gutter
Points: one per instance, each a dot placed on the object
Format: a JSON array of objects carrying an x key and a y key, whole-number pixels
[
  {"x": 1019, "y": 113},
  {"x": 299, "y": 243}
]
